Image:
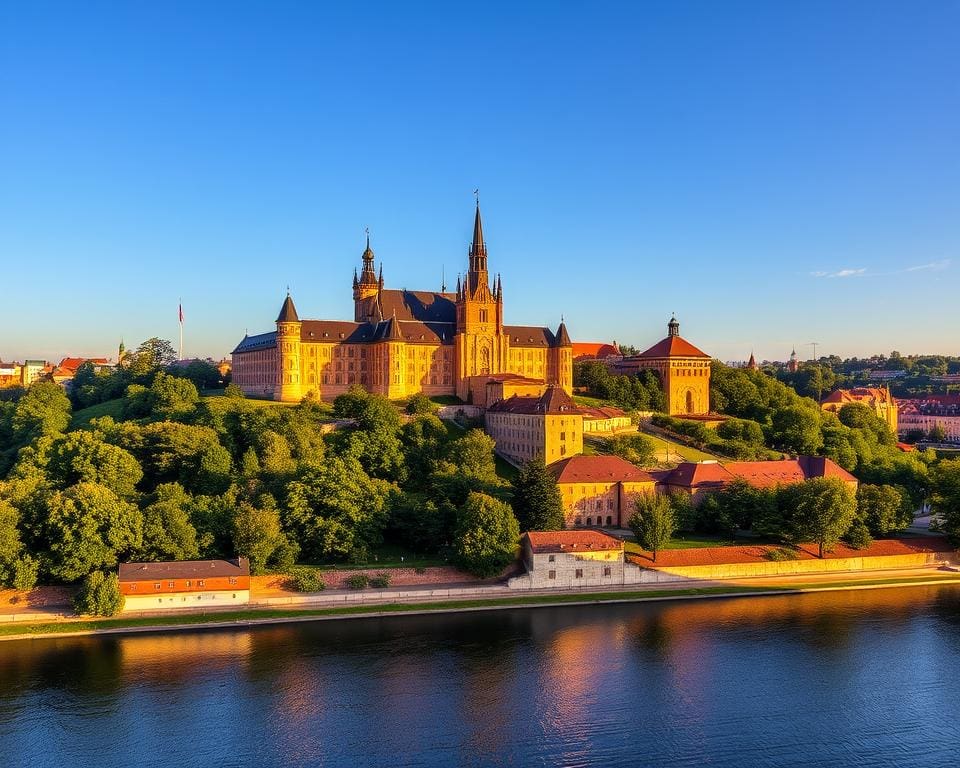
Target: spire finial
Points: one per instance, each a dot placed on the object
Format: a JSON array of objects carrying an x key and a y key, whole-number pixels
[
  {"x": 476, "y": 194},
  {"x": 443, "y": 279}
]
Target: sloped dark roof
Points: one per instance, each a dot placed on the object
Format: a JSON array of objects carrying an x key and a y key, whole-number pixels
[
  {"x": 529, "y": 336},
  {"x": 424, "y": 306},
  {"x": 553, "y": 401},
  {"x": 260, "y": 341},
  {"x": 597, "y": 469},
  {"x": 288, "y": 312},
  {"x": 344, "y": 331},
  {"x": 563, "y": 338}
]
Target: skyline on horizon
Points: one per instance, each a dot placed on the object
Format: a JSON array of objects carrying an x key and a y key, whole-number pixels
[{"x": 773, "y": 175}]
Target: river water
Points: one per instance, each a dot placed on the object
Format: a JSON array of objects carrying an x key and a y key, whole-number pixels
[{"x": 868, "y": 678}]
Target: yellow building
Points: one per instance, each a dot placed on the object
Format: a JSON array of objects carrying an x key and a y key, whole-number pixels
[
  {"x": 599, "y": 490},
  {"x": 549, "y": 427},
  {"x": 683, "y": 369},
  {"x": 402, "y": 342},
  {"x": 880, "y": 401}
]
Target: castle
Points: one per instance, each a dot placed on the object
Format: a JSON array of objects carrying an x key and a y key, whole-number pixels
[{"x": 403, "y": 342}]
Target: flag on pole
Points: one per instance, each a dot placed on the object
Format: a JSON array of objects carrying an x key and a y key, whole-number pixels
[{"x": 181, "y": 314}]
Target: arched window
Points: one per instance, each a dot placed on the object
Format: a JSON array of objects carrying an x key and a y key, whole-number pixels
[{"x": 689, "y": 401}]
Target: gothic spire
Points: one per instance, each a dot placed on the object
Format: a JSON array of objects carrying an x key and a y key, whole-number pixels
[{"x": 478, "y": 256}]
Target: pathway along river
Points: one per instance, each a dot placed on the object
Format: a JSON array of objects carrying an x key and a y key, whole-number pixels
[{"x": 868, "y": 678}]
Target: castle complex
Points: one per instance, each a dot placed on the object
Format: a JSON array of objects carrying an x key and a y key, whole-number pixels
[{"x": 402, "y": 342}]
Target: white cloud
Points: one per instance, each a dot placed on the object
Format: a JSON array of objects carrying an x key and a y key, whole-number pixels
[{"x": 933, "y": 266}]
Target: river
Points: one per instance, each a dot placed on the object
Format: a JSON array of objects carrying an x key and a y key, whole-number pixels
[{"x": 861, "y": 678}]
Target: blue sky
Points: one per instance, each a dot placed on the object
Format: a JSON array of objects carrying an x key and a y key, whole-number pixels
[{"x": 775, "y": 173}]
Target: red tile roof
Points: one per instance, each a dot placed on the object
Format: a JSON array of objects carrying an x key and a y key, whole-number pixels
[
  {"x": 571, "y": 541},
  {"x": 858, "y": 395},
  {"x": 594, "y": 350},
  {"x": 184, "y": 569},
  {"x": 597, "y": 469},
  {"x": 760, "y": 474},
  {"x": 675, "y": 558},
  {"x": 601, "y": 413},
  {"x": 673, "y": 346}
]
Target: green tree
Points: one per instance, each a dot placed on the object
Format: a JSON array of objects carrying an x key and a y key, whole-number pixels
[
  {"x": 473, "y": 456},
  {"x": 89, "y": 527},
  {"x": 819, "y": 510},
  {"x": 11, "y": 547},
  {"x": 653, "y": 522},
  {"x": 43, "y": 410},
  {"x": 171, "y": 397},
  {"x": 203, "y": 374},
  {"x": 945, "y": 498},
  {"x": 167, "y": 531},
  {"x": 424, "y": 440},
  {"x": 257, "y": 534},
  {"x": 99, "y": 595},
  {"x": 420, "y": 404},
  {"x": 85, "y": 457},
  {"x": 883, "y": 509},
  {"x": 172, "y": 452},
  {"x": 797, "y": 429},
  {"x": 486, "y": 537},
  {"x": 937, "y": 434},
  {"x": 749, "y": 432},
  {"x": 637, "y": 449},
  {"x": 537, "y": 502},
  {"x": 152, "y": 354},
  {"x": 858, "y": 535},
  {"x": 417, "y": 522},
  {"x": 336, "y": 510}
]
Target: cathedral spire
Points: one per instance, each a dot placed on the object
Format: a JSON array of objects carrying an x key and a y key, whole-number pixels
[{"x": 478, "y": 256}]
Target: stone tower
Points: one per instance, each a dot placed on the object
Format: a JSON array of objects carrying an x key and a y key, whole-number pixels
[
  {"x": 366, "y": 288},
  {"x": 560, "y": 361},
  {"x": 289, "y": 389},
  {"x": 480, "y": 346}
]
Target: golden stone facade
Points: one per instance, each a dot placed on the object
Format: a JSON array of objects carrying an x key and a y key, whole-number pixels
[{"x": 403, "y": 342}]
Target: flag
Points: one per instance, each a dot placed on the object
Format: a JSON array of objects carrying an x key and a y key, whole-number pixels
[{"x": 181, "y": 313}]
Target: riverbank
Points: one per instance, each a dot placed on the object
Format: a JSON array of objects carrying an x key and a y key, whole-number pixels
[{"x": 265, "y": 616}]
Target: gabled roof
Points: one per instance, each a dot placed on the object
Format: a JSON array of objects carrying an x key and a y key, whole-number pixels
[
  {"x": 542, "y": 542},
  {"x": 673, "y": 346},
  {"x": 529, "y": 336},
  {"x": 760, "y": 474},
  {"x": 424, "y": 306},
  {"x": 597, "y": 469},
  {"x": 562, "y": 337},
  {"x": 553, "y": 401},
  {"x": 260, "y": 341},
  {"x": 184, "y": 569}
]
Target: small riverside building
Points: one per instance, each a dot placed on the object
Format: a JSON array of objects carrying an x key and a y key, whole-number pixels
[
  {"x": 185, "y": 584},
  {"x": 599, "y": 490},
  {"x": 564, "y": 559}
]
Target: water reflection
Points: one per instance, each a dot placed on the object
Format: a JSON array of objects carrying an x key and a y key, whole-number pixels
[{"x": 729, "y": 682}]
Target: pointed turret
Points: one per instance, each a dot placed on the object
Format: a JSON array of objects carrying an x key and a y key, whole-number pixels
[
  {"x": 752, "y": 362},
  {"x": 393, "y": 329},
  {"x": 288, "y": 312},
  {"x": 563, "y": 338},
  {"x": 477, "y": 276}
]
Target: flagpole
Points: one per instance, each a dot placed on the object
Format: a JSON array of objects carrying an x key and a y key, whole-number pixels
[{"x": 181, "y": 328}]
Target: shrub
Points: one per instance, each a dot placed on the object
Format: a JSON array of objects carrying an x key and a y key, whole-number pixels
[
  {"x": 781, "y": 553},
  {"x": 381, "y": 580},
  {"x": 858, "y": 536},
  {"x": 25, "y": 573},
  {"x": 420, "y": 403},
  {"x": 99, "y": 595},
  {"x": 358, "y": 581},
  {"x": 233, "y": 390},
  {"x": 306, "y": 579}
]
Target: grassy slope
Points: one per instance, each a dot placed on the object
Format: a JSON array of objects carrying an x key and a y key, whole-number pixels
[{"x": 83, "y": 417}]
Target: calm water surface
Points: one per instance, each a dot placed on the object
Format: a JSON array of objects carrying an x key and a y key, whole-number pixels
[{"x": 857, "y": 678}]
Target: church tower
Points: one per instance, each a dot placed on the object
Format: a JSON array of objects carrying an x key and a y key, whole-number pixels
[
  {"x": 480, "y": 346},
  {"x": 366, "y": 289},
  {"x": 560, "y": 360},
  {"x": 288, "y": 387}
]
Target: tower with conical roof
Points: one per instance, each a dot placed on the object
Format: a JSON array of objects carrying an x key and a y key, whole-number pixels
[
  {"x": 794, "y": 364},
  {"x": 480, "y": 345},
  {"x": 366, "y": 288},
  {"x": 288, "y": 386},
  {"x": 752, "y": 363},
  {"x": 560, "y": 360}
]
